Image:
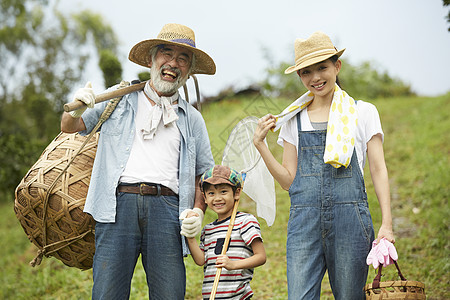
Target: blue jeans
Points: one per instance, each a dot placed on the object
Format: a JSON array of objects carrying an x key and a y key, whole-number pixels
[
  {"x": 330, "y": 227},
  {"x": 146, "y": 225}
]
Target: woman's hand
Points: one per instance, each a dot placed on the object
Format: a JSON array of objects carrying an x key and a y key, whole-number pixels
[
  {"x": 385, "y": 232},
  {"x": 264, "y": 125}
]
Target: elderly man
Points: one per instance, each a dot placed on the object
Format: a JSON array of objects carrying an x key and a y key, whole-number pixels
[{"x": 151, "y": 153}]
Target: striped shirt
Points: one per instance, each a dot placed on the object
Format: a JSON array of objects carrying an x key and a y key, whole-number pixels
[{"x": 233, "y": 284}]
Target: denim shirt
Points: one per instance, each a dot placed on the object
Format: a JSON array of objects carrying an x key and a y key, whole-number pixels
[{"x": 113, "y": 150}]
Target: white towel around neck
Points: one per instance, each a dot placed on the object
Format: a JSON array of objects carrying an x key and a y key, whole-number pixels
[
  {"x": 341, "y": 128},
  {"x": 162, "y": 110}
]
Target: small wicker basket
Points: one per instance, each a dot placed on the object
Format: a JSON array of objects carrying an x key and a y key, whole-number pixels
[
  {"x": 394, "y": 290},
  {"x": 49, "y": 201}
]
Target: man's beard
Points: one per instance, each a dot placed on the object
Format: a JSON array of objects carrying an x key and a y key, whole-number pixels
[{"x": 165, "y": 87}]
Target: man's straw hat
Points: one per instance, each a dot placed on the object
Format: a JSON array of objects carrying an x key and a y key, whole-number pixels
[
  {"x": 178, "y": 35},
  {"x": 318, "y": 47}
]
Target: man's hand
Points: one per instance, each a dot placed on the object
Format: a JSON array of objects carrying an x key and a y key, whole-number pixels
[
  {"x": 192, "y": 222},
  {"x": 85, "y": 95}
]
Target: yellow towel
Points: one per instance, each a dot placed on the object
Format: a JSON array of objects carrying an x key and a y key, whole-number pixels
[{"x": 341, "y": 129}]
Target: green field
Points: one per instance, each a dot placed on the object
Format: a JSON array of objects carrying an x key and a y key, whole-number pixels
[{"x": 417, "y": 150}]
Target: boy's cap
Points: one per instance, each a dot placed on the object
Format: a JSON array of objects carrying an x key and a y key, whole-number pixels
[{"x": 221, "y": 174}]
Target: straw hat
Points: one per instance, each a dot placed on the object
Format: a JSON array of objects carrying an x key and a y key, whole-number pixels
[
  {"x": 178, "y": 35},
  {"x": 318, "y": 47}
]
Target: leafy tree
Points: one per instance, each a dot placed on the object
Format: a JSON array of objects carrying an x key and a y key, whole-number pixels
[
  {"x": 43, "y": 55},
  {"x": 144, "y": 76},
  {"x": 111, "y": 67},
  {"x": 92, "y": 27}
]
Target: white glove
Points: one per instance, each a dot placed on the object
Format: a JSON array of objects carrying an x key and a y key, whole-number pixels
[
  {"x": 191, "y": 226},
  {"x": 87, "y": 96}
]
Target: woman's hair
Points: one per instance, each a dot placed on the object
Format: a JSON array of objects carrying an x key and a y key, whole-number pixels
[{"x": 334, "y": 59}]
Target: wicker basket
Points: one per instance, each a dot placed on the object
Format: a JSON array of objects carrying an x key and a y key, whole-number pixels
[
  {"x": 395, "y": 290},
  {"x": 54, "y": 193}
]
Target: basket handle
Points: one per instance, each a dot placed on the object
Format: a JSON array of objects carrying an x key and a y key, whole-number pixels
[{"x": 376, "y": 280}]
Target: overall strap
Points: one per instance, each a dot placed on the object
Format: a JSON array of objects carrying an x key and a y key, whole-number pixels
[{"x": 299, "y": 122}]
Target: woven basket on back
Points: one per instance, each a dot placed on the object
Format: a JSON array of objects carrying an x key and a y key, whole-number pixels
[
  {"x": 50, "y": 200},
  {"x": 394, "y": 290}
]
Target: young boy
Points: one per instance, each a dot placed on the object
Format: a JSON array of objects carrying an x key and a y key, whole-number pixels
[{"x": 221, "y": 187}]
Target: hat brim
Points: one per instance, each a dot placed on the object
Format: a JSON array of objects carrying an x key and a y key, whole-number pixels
[
  {"x": 312, "y": 61},
  {"x": 217, "y": 180},
  {"x": 140, "y": 54}
]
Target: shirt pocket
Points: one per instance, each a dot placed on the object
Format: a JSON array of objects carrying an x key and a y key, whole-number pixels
[{"x": 114, "y": 124}]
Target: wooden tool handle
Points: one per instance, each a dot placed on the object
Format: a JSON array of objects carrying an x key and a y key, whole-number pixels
[
  {"x": 224, "y": 249},
  {"x": 106, "y": 96}
]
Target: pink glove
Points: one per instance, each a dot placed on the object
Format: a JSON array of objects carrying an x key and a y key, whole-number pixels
[
  {"x": 382, "y": 253},
  {"x": 391, "y": 252},
  {"x": 375, "y": 257}
]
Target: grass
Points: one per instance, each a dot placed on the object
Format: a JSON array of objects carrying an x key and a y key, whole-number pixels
[{"x": 417, "y": 134}]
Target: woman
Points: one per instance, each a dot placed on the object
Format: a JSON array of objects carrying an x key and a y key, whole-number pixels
[{"x": 326, "y": 137}]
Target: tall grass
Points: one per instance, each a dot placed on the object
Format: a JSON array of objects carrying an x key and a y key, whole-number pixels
[{"x": 417, "y": 134}]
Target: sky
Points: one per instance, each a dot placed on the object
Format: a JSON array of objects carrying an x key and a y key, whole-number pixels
[{"x": 409, "y": 39}]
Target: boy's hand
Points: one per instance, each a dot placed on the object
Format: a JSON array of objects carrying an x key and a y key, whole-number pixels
[
  {"x": 192, "y": 222},
  {"x": 224, "y": 261}
]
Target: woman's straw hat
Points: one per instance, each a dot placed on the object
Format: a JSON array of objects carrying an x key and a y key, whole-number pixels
[
  {"x": 178, "y": 35},
  {"x": 318, "y": 47}
]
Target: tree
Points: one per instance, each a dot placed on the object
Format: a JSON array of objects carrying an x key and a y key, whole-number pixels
[
  {"x": 43, "y": 55},
  {"x": 91, "y": 27},
  {"x": 111, "y": 67},
  {"x": 447, "y": 3}
]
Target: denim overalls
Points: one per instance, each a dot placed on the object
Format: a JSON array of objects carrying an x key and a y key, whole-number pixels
[{"x": 330, "y": 227}]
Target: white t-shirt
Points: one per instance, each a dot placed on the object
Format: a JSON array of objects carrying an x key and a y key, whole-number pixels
[
  {"x": 369, "y": 124},
  {"x": 154, "y": 160}
]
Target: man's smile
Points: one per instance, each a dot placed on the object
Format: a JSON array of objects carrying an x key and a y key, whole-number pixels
[{"x": 169, "y": 74}]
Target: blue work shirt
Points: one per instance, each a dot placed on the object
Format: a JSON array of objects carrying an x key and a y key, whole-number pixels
[{"x": 114, "y": 146}]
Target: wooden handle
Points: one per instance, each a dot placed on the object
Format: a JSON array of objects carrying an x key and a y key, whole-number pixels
[
  {"x": 224, "y": 249},
  {"x": 106, "y": 96}
]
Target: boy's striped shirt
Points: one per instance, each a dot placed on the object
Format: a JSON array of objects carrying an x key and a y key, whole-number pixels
[{"x": 233, "y": 284}]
